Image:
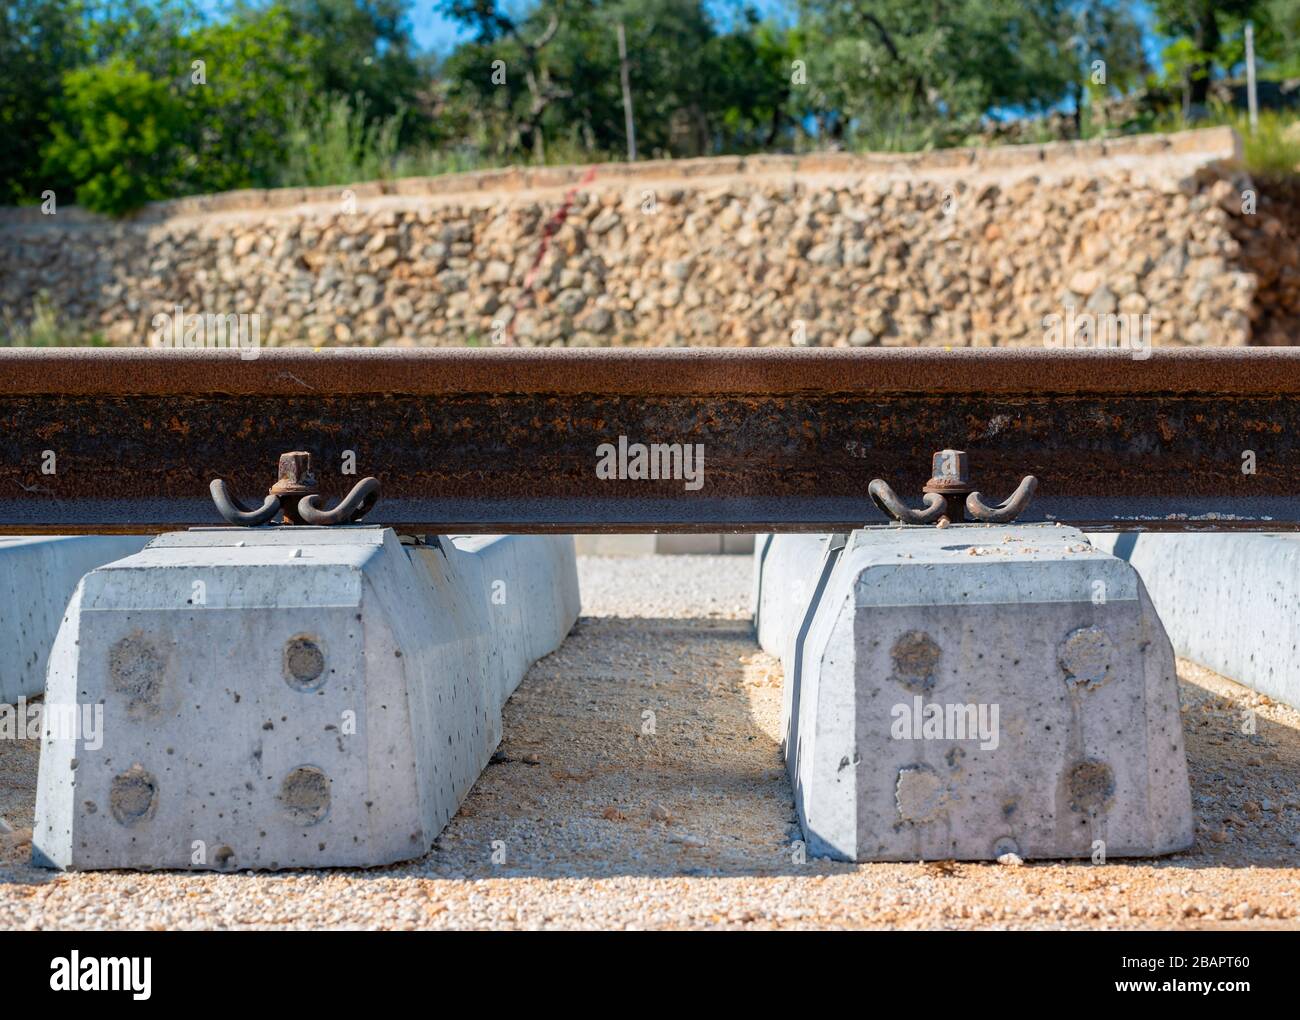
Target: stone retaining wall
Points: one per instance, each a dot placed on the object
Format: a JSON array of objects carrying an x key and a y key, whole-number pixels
[{"x": 970, "y": 247}]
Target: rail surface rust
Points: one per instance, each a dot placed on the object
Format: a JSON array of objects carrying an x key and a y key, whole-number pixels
[{"x": 467, "y": 440}]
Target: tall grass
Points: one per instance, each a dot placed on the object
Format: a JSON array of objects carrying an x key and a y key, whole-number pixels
[
  {"x": 433, "y": 162},
  {"x": 332, "y": 142},
  {"x": 905, "y": 128},
  {"x": 1272, "y": 148},
  {"x": 46, "y": 327},
  {"x": 430, "y": 162}
]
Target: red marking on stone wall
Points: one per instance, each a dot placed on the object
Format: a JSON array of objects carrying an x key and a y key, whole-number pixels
[{"x": 548, "y": 231}]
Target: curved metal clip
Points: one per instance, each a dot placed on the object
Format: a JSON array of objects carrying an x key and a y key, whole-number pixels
[
  {"x": 351, "y": 508},
  {"x": 294, "y": 494},
  {"x": 1006, "y": 511},
  {"x": 237, "y": 513},
  {"x": 936, "y": 505}
]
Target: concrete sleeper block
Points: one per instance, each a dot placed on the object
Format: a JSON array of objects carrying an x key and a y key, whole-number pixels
[
  {"x": 974, "y": 691},
  {"x": 37, "y": 577},
  {"x": 290, "y": 697},
  {"x": 1228, "y": 601}
]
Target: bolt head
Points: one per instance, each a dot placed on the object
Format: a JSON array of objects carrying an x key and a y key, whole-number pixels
[
  {"x": 949, "y": 477},
  {"x": 950, "y": 465},
  {"x": 296, "y": 476},
  {"x": 295, "y": 466}
]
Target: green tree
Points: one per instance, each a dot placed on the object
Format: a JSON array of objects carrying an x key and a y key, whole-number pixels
[
  {"x": 1107, "y": 44},
  {"x": 673, "y": 67},
  {"x": 1284, "y": 26},
  {"x": 117, "y": 136},
  {"x": 751, "y": 88},
  {"x": 1205, "y": 38},
  {"x": 930, "y": 69},
  {"x": 151, "y": 33},
  {"x": 364, "y": 48},
  {"x": 524, "y": 85},
  {"x": 40, "y": 40},
  {"x": 240, "y": 81},
  {"x": 208, "y": 111},
  {"x": 508, "y": 67}
]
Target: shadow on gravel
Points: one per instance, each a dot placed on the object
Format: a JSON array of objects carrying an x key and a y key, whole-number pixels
[
  {"x": 579, "y": 790},
  {"x": 1245, "y": 785},
  {"x": 640, "y": 747}
]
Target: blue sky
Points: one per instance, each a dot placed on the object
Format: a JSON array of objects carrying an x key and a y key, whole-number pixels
[{"x": 434, "y": 32}]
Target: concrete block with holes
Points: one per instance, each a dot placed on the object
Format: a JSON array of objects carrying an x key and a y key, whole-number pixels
[
  {"x": 287, "y": 697},
  {"x": 37, "y": 577},
  {"x": 975, "y": 690}
]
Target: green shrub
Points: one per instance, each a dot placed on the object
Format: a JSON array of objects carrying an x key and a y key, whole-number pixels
[
  {"x": 118, "y": 136},
  {"x": 332, "y": 143}
]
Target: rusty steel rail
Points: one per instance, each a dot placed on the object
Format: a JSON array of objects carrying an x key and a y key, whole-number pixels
[{"x": 506, "y": 440}]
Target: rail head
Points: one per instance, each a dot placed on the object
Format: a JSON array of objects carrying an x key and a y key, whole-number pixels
[{"x": 645, "y": 371}]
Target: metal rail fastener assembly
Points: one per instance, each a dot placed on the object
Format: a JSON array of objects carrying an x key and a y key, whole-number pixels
[
  {"x": 950, "y": 481},
  {"x": 294, "y": 496}
]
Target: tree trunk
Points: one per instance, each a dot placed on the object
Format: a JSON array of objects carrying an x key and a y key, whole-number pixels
[
  {"x": 1207, "y": 41},
  {"x": 774, "y": 130}
]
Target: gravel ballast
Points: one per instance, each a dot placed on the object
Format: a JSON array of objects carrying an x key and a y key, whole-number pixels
[{"x": 640, "y": 785}]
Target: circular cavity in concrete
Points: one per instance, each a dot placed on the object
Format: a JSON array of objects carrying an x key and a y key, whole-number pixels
[
  {"x": 915, "y": 657},
  {"x": 304, "y": 662},
  {"x": 1004, "y": 845},
  {"x": 305, "y": 795},
  {"x": 1092, "y": 784},
  {"x": 919, "y": 794},
  {"x": 1086, "y": 655},
  {"x": 136, "y": 671},
  {"x": 133, "y": 796}
]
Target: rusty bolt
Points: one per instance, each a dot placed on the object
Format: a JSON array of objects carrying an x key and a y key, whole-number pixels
[
  {"x": 950, "y": 476},
  {"x": 296, "y": 481},
  {"x": 950, "y": 473}
]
